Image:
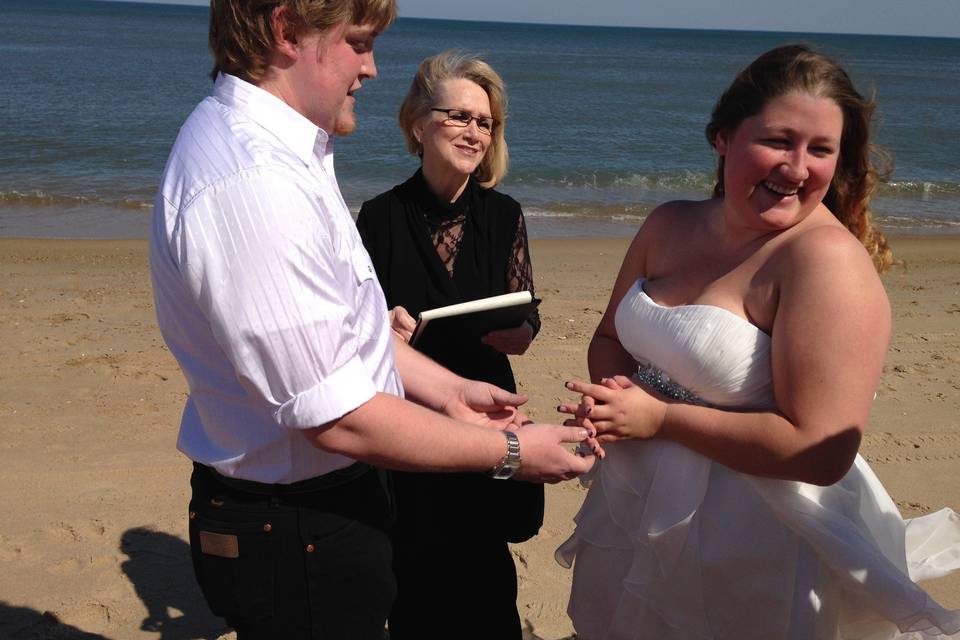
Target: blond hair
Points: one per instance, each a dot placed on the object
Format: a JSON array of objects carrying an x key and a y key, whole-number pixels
[
  {"x": 241, "y": 32},
  {"x": 456, "y": 65}
]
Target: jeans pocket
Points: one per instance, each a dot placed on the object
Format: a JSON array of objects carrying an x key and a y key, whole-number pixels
[{"x": 233, "y": 558}]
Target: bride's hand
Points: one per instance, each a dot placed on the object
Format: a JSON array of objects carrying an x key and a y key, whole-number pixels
[
  {"x": 617, "y": 409},
  {"x": 590, "y": 445}
]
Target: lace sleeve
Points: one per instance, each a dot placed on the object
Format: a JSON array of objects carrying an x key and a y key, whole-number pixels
[{"x": 520, "y": 271}]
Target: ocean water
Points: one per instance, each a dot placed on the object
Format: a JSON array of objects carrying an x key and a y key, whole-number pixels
[{"x": 604, "y": 123}]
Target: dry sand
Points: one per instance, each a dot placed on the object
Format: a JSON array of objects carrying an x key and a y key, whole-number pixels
[{"x": 93, "y": 541}]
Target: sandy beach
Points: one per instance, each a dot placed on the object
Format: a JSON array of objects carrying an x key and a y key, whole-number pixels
[{"x": 95, "y": 492}]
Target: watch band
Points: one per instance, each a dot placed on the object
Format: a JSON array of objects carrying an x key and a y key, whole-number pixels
[{"x": 510, "y": 461}]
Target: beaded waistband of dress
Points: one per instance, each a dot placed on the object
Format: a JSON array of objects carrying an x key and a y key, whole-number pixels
[{"x": 656, "y": 379}]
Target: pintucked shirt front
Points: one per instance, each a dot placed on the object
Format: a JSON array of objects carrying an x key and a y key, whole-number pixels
[{"x": 264, "y": 292}]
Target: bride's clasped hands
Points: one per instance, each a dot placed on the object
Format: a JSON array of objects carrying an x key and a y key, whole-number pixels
[{"x": 615, "y": 409}]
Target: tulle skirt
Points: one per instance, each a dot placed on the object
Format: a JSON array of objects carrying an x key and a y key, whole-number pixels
[{"x": 671, "y": 545}]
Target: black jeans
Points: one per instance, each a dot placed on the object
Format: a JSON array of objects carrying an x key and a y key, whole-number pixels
[{"x": 306, "y": 561}]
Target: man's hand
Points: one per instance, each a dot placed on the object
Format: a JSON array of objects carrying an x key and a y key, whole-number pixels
[
  {"x": 513, "y": 341},
  {"x": 543, "y": 458},
  {"x": 485, "y": 405},
  {"x": 402, "y": 323}
]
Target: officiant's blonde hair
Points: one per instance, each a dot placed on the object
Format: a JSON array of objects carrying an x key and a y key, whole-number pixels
[{"x": 458, "y": 65}]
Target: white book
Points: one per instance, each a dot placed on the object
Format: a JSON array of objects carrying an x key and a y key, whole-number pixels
[{"x": 471, "y": 320}]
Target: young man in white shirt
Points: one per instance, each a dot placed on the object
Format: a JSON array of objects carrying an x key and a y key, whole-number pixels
[{"x": 265, "y": 295}]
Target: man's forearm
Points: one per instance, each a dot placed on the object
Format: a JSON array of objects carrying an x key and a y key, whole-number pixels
[
  {"x": 390, "y": 432},
  {"x": 424, "y": 381}
]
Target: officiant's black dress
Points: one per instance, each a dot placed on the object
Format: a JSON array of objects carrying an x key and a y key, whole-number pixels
[{"x": 455, "y": 574}]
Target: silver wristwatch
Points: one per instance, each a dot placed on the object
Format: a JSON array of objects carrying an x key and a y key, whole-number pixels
[{"x": 510, "y": 462}]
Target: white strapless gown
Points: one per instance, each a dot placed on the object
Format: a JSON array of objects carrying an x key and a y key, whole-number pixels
[{"x": 671, "y": 545}]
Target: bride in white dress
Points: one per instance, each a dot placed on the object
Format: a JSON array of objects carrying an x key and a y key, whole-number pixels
[{"x": 735, "y": 368}]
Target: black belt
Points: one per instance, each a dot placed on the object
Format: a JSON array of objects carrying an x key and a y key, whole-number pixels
[{"x": 310, "y": 485}]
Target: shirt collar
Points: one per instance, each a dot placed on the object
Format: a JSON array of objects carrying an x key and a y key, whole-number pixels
[{"x": 273, "y": 114}]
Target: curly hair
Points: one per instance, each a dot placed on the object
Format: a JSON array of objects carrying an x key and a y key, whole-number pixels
[
  {"x": 455, "y": 65},
  {"x": 241, "y": 35},
  {"x": 861, "y": 164}
]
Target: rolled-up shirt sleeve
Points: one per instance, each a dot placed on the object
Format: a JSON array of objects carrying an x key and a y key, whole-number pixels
[{"x": 274, "y": 285}]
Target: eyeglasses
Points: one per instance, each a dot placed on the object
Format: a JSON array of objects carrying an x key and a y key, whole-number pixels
[{"x": 460, "y": 118}]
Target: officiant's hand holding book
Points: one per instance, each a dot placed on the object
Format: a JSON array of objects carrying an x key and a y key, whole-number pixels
[
  {"x": 513, "y": 341},
  {"x": 402, "y": 323}
]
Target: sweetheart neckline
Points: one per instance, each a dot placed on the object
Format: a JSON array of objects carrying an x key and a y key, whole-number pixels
[{"x": 639, "y": 285}]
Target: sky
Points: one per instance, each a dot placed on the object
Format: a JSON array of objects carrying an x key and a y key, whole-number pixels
[{"x": 887, "y": 17}]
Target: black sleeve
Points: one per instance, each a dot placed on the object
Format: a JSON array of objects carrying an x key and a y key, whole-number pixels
[
  {"x": 363, "y": 226},
  {"x": 520, "y": 270}
]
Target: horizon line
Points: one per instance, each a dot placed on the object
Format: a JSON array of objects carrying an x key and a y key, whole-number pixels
[{"x": 187, "y": 3}]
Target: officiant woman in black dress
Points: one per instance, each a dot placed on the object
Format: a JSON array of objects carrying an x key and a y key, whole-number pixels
[{"x": 443, "y": 237}]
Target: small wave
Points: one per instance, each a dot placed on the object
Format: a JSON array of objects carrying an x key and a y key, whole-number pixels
[
  {"x": 914, "y": 222},
  {"x": 919, "y": 189},
  {"x": 594, "y": 211},
  {"x": 41, "y": 199},
  {"x": 684, "y": 182},
  {"x": 545, "y": 213}
]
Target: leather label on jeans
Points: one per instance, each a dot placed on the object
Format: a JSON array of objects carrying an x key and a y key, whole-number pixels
[{"x": 219, "y": 544}]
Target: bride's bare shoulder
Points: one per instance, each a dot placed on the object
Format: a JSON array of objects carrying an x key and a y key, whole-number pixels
[{"x": 677, "y": 217}]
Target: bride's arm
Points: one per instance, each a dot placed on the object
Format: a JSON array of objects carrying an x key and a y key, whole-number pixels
[
  {"x": 829, "y": 339},
  {"x": 606, "y": 357}
]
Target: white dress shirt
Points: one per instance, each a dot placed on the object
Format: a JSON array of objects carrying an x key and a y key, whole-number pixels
[{"x": 264, "y": 292}]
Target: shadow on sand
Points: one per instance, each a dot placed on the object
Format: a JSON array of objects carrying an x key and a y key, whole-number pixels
[
  {"x": 158, "y": 565},
  {"x": 160, "y": 569},
  {"x": 23, "y": 623}
]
